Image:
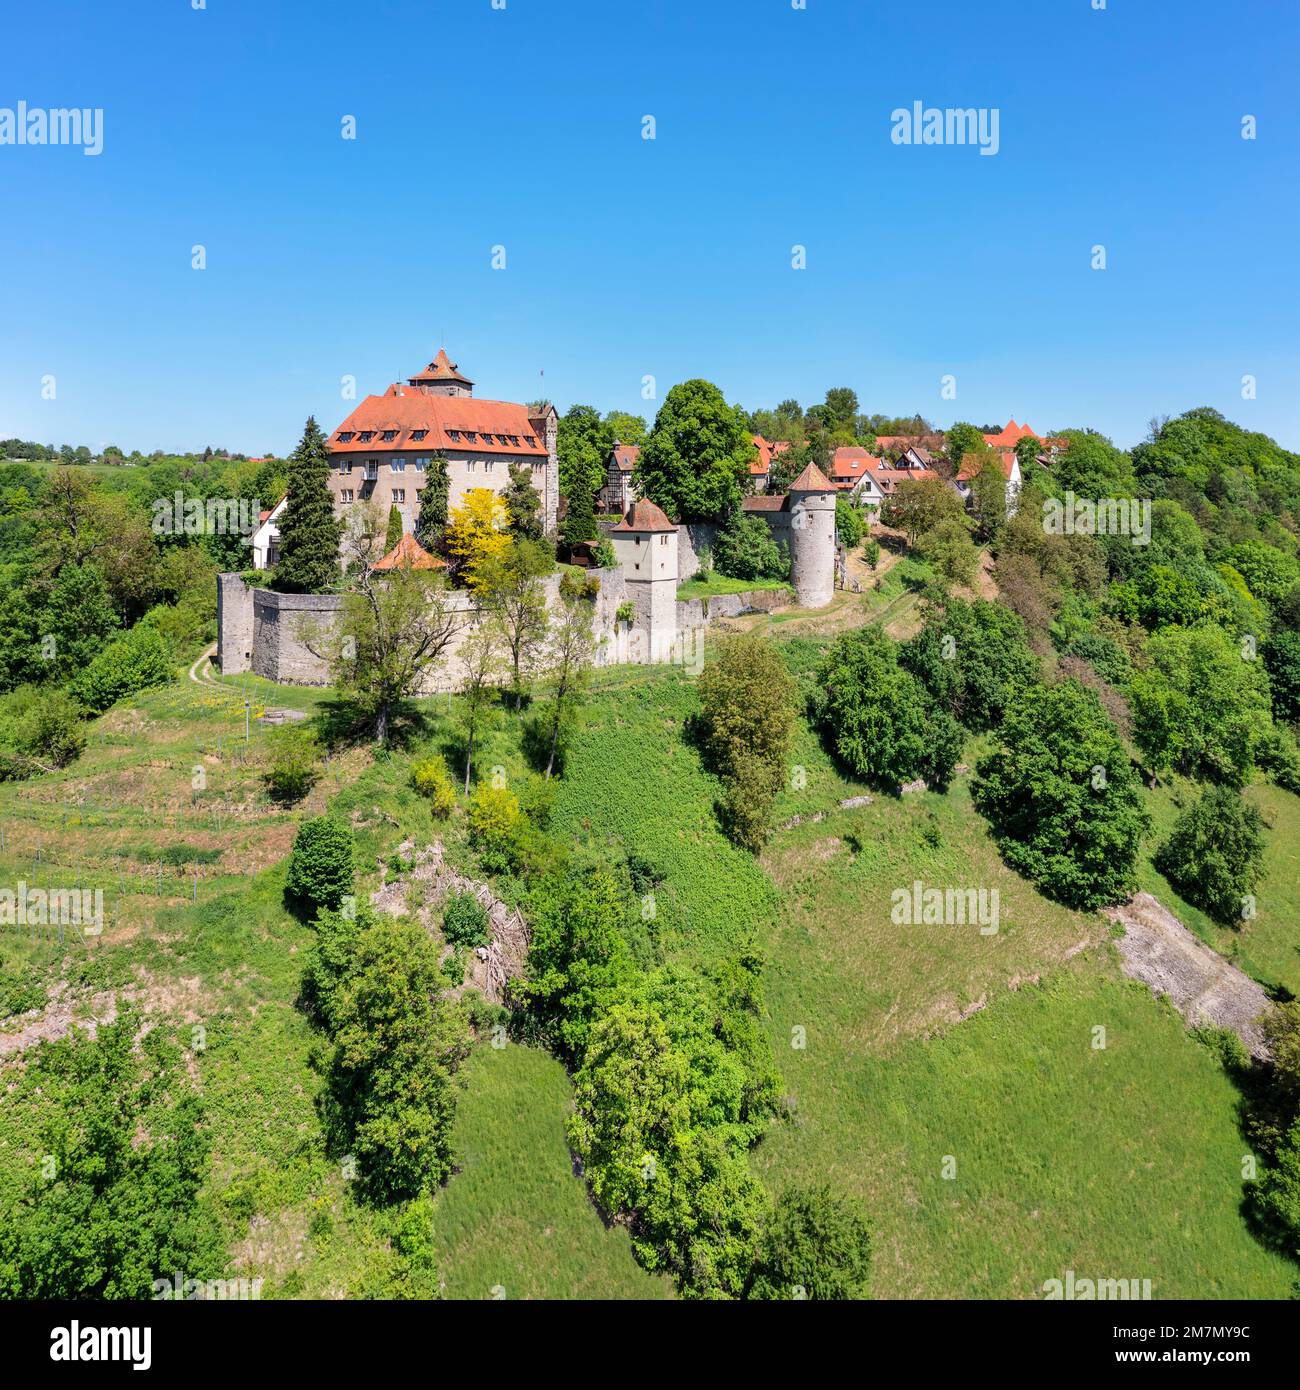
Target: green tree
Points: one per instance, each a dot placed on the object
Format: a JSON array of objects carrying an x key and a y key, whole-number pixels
[
  {"x": 1199, "y": 707},
  {"x": 577, "y": 959},
  {"x": 121, "y": 1205},
  {"x": 1282, "y": 662},
  {"x": 523, "y": 504},
  {"x": 748, "y": 702},
  {"x": 572, "y": 649},
  {"x": 815, "y": 1245},
  {"x": 695, "y": 462},
  {"x": 949, "y": 548},
  {"x": 394, "y": 535},
  {"x": 918, "y": 505},
  {"x": 397, "y": 1046},
  {"x": 579, "y": 522},
  {"x": 512, "y": 587},
  {"x": 877, "y": 716},
  {"x": 480, "y": 656},
  {"x": 80, "y": 618},
  {"x": 962, "y": 439},
  {"x": 1062, "y": 797},
  {"x": 138, "y": 660},
  {"x": 1214, "y": 855},
  {"x": 850, "y": 525},
  {"x": 744, "y": 549},
  {"x": 582, "y": 444},
  {"x": 322, "y": 867},
  {"x": 988, "y": 493},
  {"x": 309, "y": 532},
  {"x": 434, "y": 503}
]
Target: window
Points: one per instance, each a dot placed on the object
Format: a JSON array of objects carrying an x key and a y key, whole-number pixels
[
  {"x": 530, "y": 439},
  {"x": 501, "y": 439},
  {"x": 469, "y": 464},
  {"x": 663, "y": 540},
  {"x": 366, "y": 436},
  {"x": 487, "y": 466},
  {"x": 470, "y": 435},
  {"x": 418, "y": 434},
  {"x": 420, "y": 465},
  {"x": 345, "y": 465},
  {"x": 390, "y": 434},
  {"x": 345, "y": 495},
  {"x": 454, "y": 434},
  {"x": 344, "y": 436},
  {"x": 513, "y": 438},
  {"x": 399, "y": 494},
  {"x": 397, "y": 465}
]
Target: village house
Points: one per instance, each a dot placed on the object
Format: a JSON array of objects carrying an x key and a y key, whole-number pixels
[
  {"x": 381, "y": 452},
  {"x": 1005, "y": 442},
  {"x": 870, "y": 479},
  {"x": 265, "y": 540},
  {"x": 760, "y": 471},
  {"x": 616, "y": 495}
]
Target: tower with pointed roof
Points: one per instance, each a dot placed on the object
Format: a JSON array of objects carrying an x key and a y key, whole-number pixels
[
  {"x": 812, "y": 537},
  {"x": 442, "y": 377},
  {"x": 645, "y": 542}
]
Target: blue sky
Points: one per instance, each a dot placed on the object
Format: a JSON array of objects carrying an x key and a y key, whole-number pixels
[{"x": 521, "y": 127}]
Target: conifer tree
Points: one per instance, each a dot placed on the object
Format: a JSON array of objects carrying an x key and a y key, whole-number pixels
[
  {"x": 434, "y": 496},
  {"x": 394, "y": 529},
  {"x": 580, "y": 519},
  {"x": 309, "y": 532}
]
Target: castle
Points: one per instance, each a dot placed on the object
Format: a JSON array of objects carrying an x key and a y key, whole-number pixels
[{"x": 381, "y": 452}]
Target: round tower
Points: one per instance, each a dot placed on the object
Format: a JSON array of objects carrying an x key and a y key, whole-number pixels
[{"x": 812, "y": 538}]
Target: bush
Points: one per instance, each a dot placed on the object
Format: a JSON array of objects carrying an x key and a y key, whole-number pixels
[
  {"x": 815, "y": 1245},
  {"x": 430, "y": 777},
  {"x": 136, "y": 661},
  {"x": 294, "y": 772},
  {"x": 493, "y": 812},
  {"x": 604, "y": 556},
  {"x": 321, "y": 866},
  {"x": 464, "y": 921},
  {"x": 1215, "y": 854},
  {"x": 744, "y": 549},
  {"x": 47, "y": 726}
]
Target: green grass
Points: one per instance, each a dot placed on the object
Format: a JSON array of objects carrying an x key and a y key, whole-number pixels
[
  {"x": 1123, "y": 1162},
  {"x": 515, "y": 1218},
  {"x": 715, "y": 584},
  {"x": 1268, "y": 947}
]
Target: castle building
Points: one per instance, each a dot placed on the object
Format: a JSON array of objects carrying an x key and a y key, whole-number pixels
[{"x": 381, "y": 452}]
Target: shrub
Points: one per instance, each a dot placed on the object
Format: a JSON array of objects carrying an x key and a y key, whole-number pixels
[
  {"x": 464, "y": 921},
  {"x": 815, "y": 1245},
  {"x": 1215, "y": 854},
  {"x": 136, "y": 661},
  {"x": 604, "y": 556},
  {"x": 294, "y": 772},
  {"x": 493, "y": 812},
  {"x": 47, "y": 726},
  {"x": 430, "y": 777},
  {"x": 744, "y": 549},
  {"x": 321, "y": 866},
  {"x": 1062, "y": 796}
]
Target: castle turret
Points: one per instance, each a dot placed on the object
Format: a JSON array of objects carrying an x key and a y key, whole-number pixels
[
  {"x": 645, "y": 542},
  {"x": 812, "y": 538}
]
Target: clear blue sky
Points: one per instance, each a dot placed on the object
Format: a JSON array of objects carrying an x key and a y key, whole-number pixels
[{"x": 522, "y": 127}]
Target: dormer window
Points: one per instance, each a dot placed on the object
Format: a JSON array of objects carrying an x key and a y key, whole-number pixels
[
  {"x": 530, "y": 440},
  {"x": 344, "y": 436},
  {"x": 514, "y": 438},
  {"x": 453, "y": 434},
  {"x": 366, "y": 436},
  {"x": 390, "y": 434},
  {"x": 471, "y": 436},
  {"x": 501, "y": 439},
  {"x": 418, "y": 434}
]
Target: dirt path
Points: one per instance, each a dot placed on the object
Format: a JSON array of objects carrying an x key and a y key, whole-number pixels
[{"x": 1158, "y": 950}]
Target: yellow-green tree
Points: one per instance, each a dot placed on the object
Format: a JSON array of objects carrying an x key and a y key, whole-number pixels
[{"x": 478, "y": 532}]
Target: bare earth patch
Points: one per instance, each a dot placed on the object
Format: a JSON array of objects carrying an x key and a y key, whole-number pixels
[{"x": 1158, "y": 950}]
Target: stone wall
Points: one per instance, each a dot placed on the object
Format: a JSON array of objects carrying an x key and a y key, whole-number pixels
[
  {"x": 283, "y": 624},
  {"x": 234, "y": 624}
]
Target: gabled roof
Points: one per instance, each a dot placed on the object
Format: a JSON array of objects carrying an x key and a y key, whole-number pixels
[
  {"x": 442, "y": 368},
  {"x": 644, "y": 515},
  {"x": 850, "y": 463},
  {"x": 1007, "y": 458},
  {"x": 1008, "y": 436},
  {"x": 812, "y": 479},
  {"x": 625, "y": 456},
  {"x": 409, "y": 554},
  {"x": 768, "y": 449},
  {"x": 407, "y": 409}
]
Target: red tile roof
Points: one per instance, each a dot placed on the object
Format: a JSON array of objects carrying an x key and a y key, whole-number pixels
[
  {"x": 812, "y": 479},
  {"x": 967, "y": 471},
  {"x": 442, "y": 368},
  {"x": 410, "y": 555},
  {"x": 767, "y": 451},
  {"x": 626, "y": 455},
  {"x": 644, "y": 515},
  {"x": 764, "y": 502},
  {"x": 1008, "y": 436},
  {"x": 405, "y": 409}
]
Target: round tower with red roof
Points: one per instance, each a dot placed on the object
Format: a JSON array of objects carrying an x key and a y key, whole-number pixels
[{"x": 812, "y": 538}]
